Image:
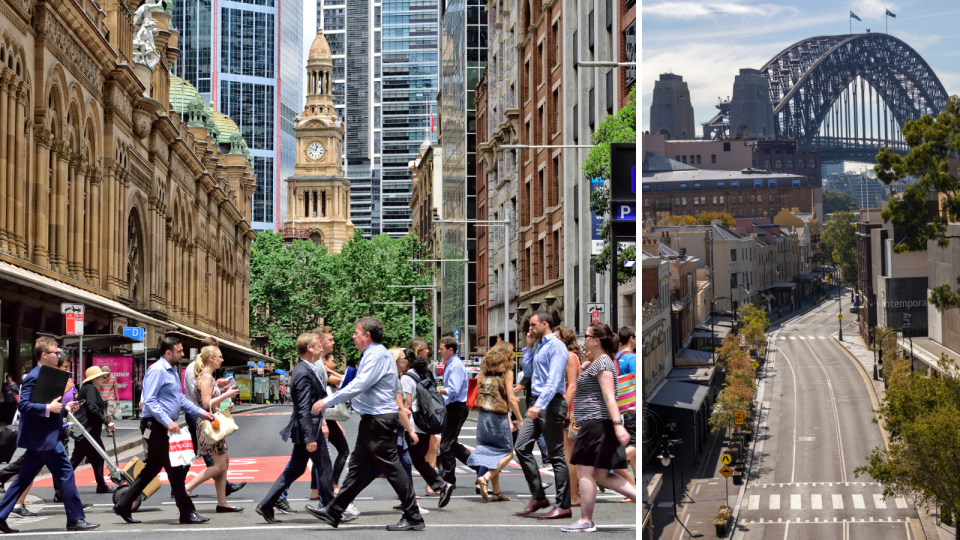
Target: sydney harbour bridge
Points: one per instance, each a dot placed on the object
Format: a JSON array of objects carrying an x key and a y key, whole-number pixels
[{"x": 850, "y": 95}]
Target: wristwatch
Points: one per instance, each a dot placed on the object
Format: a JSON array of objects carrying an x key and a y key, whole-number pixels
[{"x": 620, "y": 422}]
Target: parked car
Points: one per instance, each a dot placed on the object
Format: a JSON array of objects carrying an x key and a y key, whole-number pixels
[{"x": 854, "y": 308}]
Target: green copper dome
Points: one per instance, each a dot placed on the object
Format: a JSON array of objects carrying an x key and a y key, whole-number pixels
[
  {"x": 186, "y": 101},
  {"x": 181, "y": 94}
]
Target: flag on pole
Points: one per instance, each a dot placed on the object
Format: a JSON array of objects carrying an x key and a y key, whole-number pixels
[
  {"x": 294, "y": 187},
  {"x": 854, "y": 15},
  {"x": 863, "y": 177},
  {"x": 431, "y": 123},
  {"x": 888, "y": 14}
]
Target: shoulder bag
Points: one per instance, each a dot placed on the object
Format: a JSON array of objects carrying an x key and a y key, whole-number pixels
[
  {"x": 339, "y": 412},
  {"x": 225, "y": 426}
]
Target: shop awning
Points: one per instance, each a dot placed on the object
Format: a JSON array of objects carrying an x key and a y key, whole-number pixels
[
  {"x": 247, "y": 352},
  {"x": 677, "y": 398},
  {"x": 701, "y": 375},
  {"x": 49, "y": 285},
  {"x": 98, "y": 342},
  {"x": 785, "y": 285},
  {"x": 691, "y": 356},
  {"x": 811, "y": 275}
]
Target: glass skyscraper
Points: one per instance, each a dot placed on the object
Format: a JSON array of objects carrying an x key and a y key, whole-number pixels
[
  {"x": 463, "y": 50},
  {"x": 232, "y": 51},
  {"x": 386, "y": 98}
]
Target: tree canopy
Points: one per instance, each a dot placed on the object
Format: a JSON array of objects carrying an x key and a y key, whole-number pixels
[
  {"x": 673, "y": 221},
  {"x": 618, "y": 127},
  {"x": 295, "y": 286},
  {"x": 705, "y": 218},
  {"x": 839, "y": 241},
  {"x": 836, "y": 201}
]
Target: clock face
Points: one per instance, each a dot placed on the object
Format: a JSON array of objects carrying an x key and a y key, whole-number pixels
[{"x": 315, "y": 150}]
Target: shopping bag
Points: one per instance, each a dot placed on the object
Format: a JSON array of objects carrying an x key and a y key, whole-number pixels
[
  {"x": 181, "y": 449},
  {"x": 471, "y": 393},
  {"x": 222, "y": 426},
  {"x": 339, "y": 412}
]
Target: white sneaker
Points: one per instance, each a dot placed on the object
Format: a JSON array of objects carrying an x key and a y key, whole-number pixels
[
  {"x": 351, "y": 511},
  {"x": 423, "y": 511}
]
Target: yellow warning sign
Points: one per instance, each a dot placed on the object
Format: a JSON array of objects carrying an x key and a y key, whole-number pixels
[
  {"x": 726, "y": 471},
  {"x": 840, "y": 316},
  {"x": 754, "y": 364},
  {"x": 726, "y": 459},
  {"x": 738, "y": 418}
]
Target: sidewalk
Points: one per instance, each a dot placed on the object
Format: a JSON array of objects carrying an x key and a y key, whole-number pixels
[{"x": 864, "y": 359}]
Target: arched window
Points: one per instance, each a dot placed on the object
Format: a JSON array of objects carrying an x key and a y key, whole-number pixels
[
  {"x": 799, "y": 163},
  {"x": 766, "y": 164},
  {"x": 813, "y": 164},
  {"x": 778, "y": 164},
  {"x": 789, "y": 163}
]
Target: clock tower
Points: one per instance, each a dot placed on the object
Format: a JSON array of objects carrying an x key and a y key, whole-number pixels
[{"x": 319, "y": 193}]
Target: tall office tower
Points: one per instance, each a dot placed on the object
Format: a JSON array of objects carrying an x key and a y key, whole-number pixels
[
  {"x": 463, "y": 52},
  {"x": 386, "y": 98},
  {"x": 238, "y": 62}
]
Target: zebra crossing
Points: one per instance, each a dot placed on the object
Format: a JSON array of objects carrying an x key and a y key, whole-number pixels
[
  {"x": 815, "y": 501},
  {"x": 785, "y": 338}
]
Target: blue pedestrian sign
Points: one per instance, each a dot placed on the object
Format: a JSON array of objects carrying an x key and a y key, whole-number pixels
[
  {"x": 134, "y": 332},
  {"x": 456, "y": 334}
]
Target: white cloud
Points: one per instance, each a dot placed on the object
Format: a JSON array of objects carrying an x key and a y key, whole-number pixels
[{"x": 687, "y": 10}]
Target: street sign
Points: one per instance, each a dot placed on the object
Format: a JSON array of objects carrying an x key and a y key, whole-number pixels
[
  {"x": 251, "y": 364},
  {"x": 626, "y": 211},
  {"x": 74, "y": 324},
  {"x": 68, "y": 307},
  {"x": 738, "y": 418},
  {"x": 726, "y": 459},
  {"x": 726, "y": 471},
  {"x": 595, "y": 317},
  {"x": 596, "y": 240},
  {"x": 840, "y": 316},
  {"x": 456, "y": 334},
  {"x": 260, "y": 367},
  {"x": 595, "y": 309},
  {"x": 736, "y": 429},
  {"x": 134, "y": 332},
  {"x": 754, "y": 364}
]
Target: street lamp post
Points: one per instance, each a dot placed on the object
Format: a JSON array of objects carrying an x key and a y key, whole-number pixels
[
  {"x": 666, "y": 458},
  {"x": 425, "y": 287},
  {"x": 840, "y": 303},
  {"x": 878, "y": 350},
  {"x": 413, "y": 303},
  {"x": 441, "y": 261}
]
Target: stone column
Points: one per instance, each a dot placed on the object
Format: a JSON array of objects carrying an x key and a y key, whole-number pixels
[
  {"x": 59, "y": 223},
  {"x": 110, "y": 226},
  {"x": 11, "y": 186},
  {"x": 73, "y": 183},
  {"x": 23, "y": 177},
  {"x": 5, "y": 76},
  {"x": 40, "y": 188},
  {"x": 79, "y": 216},
  {"x": 94, "y": 231}
]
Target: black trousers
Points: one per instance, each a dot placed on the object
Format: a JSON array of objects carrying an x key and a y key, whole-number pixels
[
  {"x": 158, "y": 457},
  {"x": 550, "y": 425},
  {"x": 418, "y": 458},
  {"x": 375, "y": 453},
  {"x": 295, "y": 468},
  {"x": 450, "y": 448},
  {"x": 339, "y": 441}
]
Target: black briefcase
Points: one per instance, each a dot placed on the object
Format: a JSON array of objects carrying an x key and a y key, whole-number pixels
[{"x": 8, "y": 443}]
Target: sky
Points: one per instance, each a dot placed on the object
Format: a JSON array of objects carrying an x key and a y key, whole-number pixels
[
  {"x": 310, "y": 27},
  {"x": 708, "y": 42}
]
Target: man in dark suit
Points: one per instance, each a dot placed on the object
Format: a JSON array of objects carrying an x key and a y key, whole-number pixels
[
  {"x": 39, "y": 434},
  {"x": 308, "y": 430}
]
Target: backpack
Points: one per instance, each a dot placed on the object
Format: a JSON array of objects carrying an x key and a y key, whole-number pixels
[{"x": 433, "y": 413}]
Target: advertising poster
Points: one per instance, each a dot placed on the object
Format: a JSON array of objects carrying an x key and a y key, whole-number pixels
[
  {"x": 121, "y": 367},
  {"x": 245, "y": 386}
]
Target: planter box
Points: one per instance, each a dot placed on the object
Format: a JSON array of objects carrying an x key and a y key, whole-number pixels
[{"x": 721, "y": 530}]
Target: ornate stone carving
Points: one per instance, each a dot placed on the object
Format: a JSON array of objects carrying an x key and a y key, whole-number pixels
[
  {"x": 145, "y": 30},
  {"x": 42, "y": 135},
  {"x": 120, "y": 101},
  {"x": 60, "y": 37},
  {"x": 142, "y": 121}
]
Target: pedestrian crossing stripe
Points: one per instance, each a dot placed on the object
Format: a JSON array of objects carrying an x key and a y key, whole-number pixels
[{"x": 817, "y": 502}]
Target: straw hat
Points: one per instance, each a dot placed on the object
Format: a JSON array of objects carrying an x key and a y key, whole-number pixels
[{"x": 92, "y": 373}]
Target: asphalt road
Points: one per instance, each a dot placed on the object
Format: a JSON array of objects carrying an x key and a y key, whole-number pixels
[
  {"x": 819, "y": 428},
  {"x": 258, "y": 455}
]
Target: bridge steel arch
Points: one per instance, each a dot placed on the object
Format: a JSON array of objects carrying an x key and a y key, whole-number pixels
[{"x": 807, "y": 78}]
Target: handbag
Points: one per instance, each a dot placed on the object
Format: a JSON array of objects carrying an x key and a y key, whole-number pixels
[
  {"x": 339, "y": 412},
  {"x": 181, "y": 449},
  {"x": 227, "y": 425},
  {"x": 471, "y": 393},
  {"x": 573, "y": 430}
]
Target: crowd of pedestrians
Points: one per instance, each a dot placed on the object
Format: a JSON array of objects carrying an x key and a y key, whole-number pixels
[{"x": 581, "y": 413}]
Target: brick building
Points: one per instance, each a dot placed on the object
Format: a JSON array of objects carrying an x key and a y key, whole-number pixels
[
  {"x": 783, "y": 157},
  {"x": 626, "y": 47},
  {"x": 747, "y": 193},
  {"x": 728, "y": 155}
]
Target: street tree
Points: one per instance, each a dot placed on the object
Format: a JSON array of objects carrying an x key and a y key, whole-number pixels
[
  {"x": 753, "y": 325},
  {"x": 616, "y": 128},
  {"x": 296, "y": 286},
  {"x": 836, "y": 201},
  {"x": 839, "y": 241},
  {"x": 933, "y": 143},
  {"x": 922, "y": 416},
  {"x": 706, "y": 218},
  {"x": 673, "y": 221}
]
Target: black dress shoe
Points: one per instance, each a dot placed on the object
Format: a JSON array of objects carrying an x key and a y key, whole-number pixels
[
  {"x": 267, "y": 514},
  {"x": 4, "y": 528},
  {"x": 87, "y": 505},
  {"x": 105, "y": 489},
  {"x": 445, "y": 495},
  {"x": 233, "y": 488},
  {"x": 23, "y": 511},
  {"x": 193, "y": 518},
  {"x": 228, "y": 509},
  {"x": 56, "y": 497},
  {"x": 2, "y": 489},
  {"x": 408, "y": 524},
  {"x": 125, "y": 514},
  {"x": 323, "y": 515},
  {"x": 82, "y": 525},
  {"x": 283, "y": 506}
]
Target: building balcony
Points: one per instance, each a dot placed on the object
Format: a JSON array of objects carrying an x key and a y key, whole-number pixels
[{"x": 651, "y": 309}]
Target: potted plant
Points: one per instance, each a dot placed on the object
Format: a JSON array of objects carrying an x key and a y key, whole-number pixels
[{"x": 721, "y": 521}]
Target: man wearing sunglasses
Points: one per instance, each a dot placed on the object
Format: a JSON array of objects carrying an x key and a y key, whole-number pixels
[{"x": 40, "y": 435}]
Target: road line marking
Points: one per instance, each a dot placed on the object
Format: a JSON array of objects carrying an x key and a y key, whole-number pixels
[
  {"x": 901, "y": 502},
  {"x": 836, "y": 414},
  {"x": 858, "y": 501},
  {"x": 837, "y": 501},
  {"x": 878, "y": 500},
  {"x": 774, "y": 502},
  {"x": 796, "y": 405},
  {"x": 754, "y": 503},
  {"x": 793, "y": 337},
  {"x": 795, "y": 502},
  {"x": 816, "y": 502}
]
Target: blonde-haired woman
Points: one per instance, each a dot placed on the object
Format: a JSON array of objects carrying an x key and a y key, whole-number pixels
[
  {"x": 494, "y": 400},
  {"x": 208, "y": 397}
]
